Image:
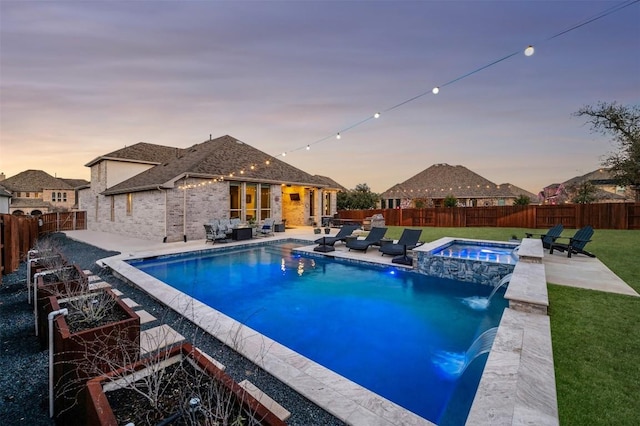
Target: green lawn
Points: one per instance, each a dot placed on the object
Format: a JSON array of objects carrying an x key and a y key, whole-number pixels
[{"x": 596, "y": 335}]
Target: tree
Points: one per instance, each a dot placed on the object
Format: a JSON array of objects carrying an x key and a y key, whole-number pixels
[
  {"x": 622, "y": 123},
  {"x": 522, "y": 200},
  {"x": 583, "y": 193},
  {"x": 359, "y": 198},
  {"x": 450, "y": 201}
]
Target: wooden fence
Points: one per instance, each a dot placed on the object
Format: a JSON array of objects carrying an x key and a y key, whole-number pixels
[
  {"x": 18, "y": 234},
  {"x": 600, "y": 216}
]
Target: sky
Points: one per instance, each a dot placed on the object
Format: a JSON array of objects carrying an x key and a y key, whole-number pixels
[{"x": 82, "y": 79}]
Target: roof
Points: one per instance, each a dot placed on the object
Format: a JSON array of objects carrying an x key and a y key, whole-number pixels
[
  {"x": 217, "y": 158},
  {"x": 597, "y": 177},
  {"x": 141, "y": 152},
  {"x": 517, "y": 191},
  {"x": 34, "y": 181},
  {"x": 31, "y": 203},
  {"x": 330, "y": 183},
  {"x": 76, "y": 183},
  {"x": 4, "y": 192},
  {"x": 441, "y": 180}
]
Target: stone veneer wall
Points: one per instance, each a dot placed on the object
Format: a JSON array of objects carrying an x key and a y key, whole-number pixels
[{"x": 486, "y": 273}]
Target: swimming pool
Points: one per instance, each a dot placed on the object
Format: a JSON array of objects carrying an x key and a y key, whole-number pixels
[{"x": 400, "y": 334}]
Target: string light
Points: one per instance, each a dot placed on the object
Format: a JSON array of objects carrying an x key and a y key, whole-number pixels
[{"x": 528, "y": 51}]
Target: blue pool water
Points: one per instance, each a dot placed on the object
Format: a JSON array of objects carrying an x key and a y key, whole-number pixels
[
  {"x": 400, "y": 334},
  {"x": 476, "y": 251}
]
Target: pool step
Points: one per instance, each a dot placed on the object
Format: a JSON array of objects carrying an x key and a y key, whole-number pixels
[
  {"x": 277, "y": 409},
  {"x": 156, "y": 338}
]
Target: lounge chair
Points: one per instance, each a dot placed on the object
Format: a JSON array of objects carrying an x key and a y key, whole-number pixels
[
  {"x": 342, "y": 235},
  {"x": 550, "y": 237},
  {"x": 408, "y": 241},
  {"x": 576, "y": 243},
  {"x": 374, "y": 237}
]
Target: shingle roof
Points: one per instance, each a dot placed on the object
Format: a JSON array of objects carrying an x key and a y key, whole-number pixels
[
  {"x": 31, "y": 203},
  {"x": 330, "y": 183},
  {"x": 214, "y": 159},
  {"x": 519, "y": 191},
  {"x": 76, "y": 183},
  {"x": 34, "y": 181},
  {"x": 441, "y": 180},
  {"x": 141, "y": 152},
  {"x": 599, "y": 176}
]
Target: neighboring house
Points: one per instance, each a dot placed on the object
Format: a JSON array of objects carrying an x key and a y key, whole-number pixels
[
  {"x": 533, "y": 198},
  {"x": 35, "y": 192},
  {"x": 605, "y": 189},
  {"x": 5, "y": 200},
  {"x": 430, "y": 187},
  {"x": 166, "y": 193}
]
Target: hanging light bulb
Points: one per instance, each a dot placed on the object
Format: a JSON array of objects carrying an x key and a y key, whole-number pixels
[
  {"x": 529, "y": 51},
  {"x": 376, "y": 115},
  {"x": 267, "y": 162},
  {"x": 338, "y": 136},
  {"x": 435, "y": 90},
  {"x": 308, "y": 147},
  {"x": 284, "y": 154}
]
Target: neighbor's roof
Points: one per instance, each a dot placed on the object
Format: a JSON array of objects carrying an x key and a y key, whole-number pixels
[
  {"x": 141, "y": 152},
  {"x": 596, "y": 177},
  {"x": 517, "y": 191},
  {"x": 34, "y": 181},
  {"x": 441, "y": 180},
  {"x": 31, "y": 203},
  {"x": 4, "y": 192},
  {"x": 76, "y": 183},
  {"x": 214, "y": 159}
]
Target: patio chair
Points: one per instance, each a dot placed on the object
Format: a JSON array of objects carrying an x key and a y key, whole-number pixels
[
  {"x": 267, "y": 227},
  {"x": 375, "y": 235},
  {"x": 576, "y": 243},
  {"x": 342, "y": 235},
  {"x": 408, "y": 241},
  {"x": 209, "y": 234},
  {"x": 550, "y": 237}
]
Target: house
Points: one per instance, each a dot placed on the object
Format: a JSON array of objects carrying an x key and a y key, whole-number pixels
[
  {"x": 5, "y": 200},
  {"x": 605, "y": 189},
  {"x": 517, "y": 191},
  {"x": 430, "y": 187},
  {"x": 166, "y": 193},
  {"x": 34, "y": 192}
]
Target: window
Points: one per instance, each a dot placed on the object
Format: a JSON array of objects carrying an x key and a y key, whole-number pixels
[
  {"x": 113, "y": 208},
  {"x": 129, "y": 204},
  {"x": 326, "y": 207},
  {"x": 265, "y": 201},
  {"x": 28, "y": 194},
  {"x": 59, "y": 196},
  {"x": 235, "y": 205},
  {"x": 312, "y": 202},
  {"x": 251, "y": 201},
  {"x": 53, "y": 196},
  {"x": 64, "y": 197},
  {"x": 97, "y": 207}
]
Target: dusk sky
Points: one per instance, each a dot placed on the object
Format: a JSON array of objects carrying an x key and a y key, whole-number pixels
[{"x": 81, "y": 79}]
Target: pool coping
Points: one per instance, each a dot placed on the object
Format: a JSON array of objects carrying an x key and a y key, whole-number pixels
[{"x": 518, "y": 382}]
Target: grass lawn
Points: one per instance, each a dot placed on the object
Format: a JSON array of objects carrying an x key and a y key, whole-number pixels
[{"x": 595, "y": 335}]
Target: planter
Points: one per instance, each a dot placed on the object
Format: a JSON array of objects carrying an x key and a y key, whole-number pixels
[
  {"x": 327, "y": 230},
  {"x": 88, "y": 352},
  {"x": 316, "y": 230},
  {"x": 72, "y": 283},
  {"x": 203, "y": 375}
]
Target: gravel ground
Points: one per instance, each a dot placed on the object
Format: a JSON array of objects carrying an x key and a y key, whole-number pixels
[{"x": 24, "y": 367}]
